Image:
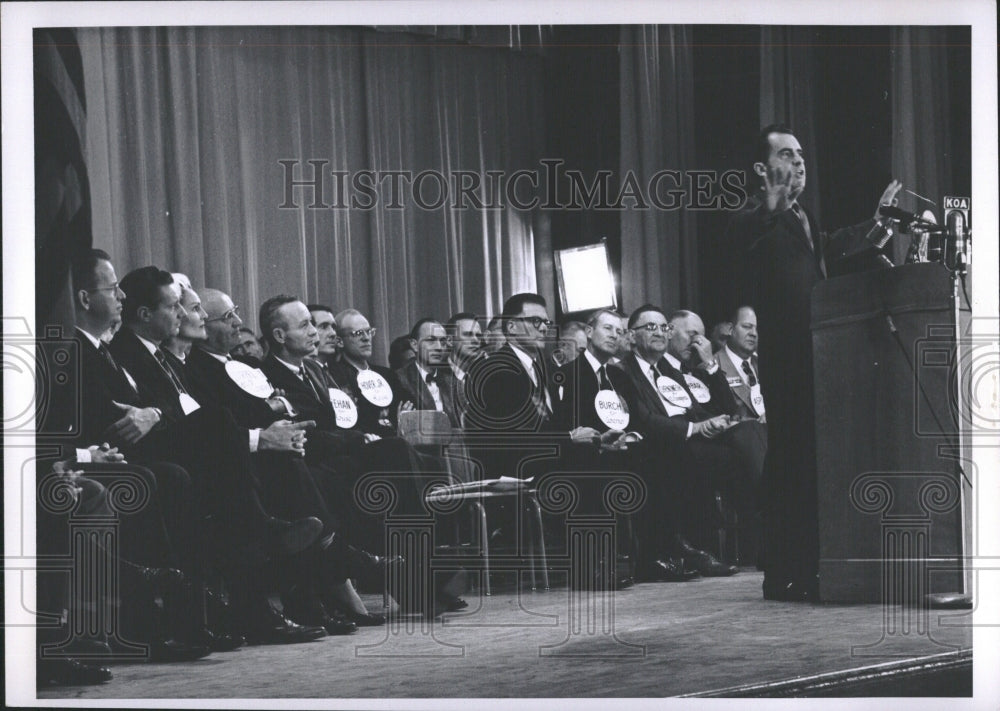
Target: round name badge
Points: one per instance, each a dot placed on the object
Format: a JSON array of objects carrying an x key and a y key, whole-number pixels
[
  {"x": 250, "y": 380},
  {"x": 611, "y": 410},
  {"x": 672, "y": 392},
  {"x": 374, "y": 388},
  {"x": 698, "y": 388},
  {"x": 344, "y": 408}
]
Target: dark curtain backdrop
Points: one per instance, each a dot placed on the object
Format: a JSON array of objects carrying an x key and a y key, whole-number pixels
[
  {"x": 659, "y": 247},
  {"x": 788, "y": 87},
  {"x": 922, "y": 63},
  {"x": 188, "y": 125}
]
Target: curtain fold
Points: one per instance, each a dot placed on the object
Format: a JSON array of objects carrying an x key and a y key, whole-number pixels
[
  {"x": 920, "y": 119},
  {"x": 787, "y": 95},
  {"x": 189, "y": 126},
  {"x": 659, "y": 247}
]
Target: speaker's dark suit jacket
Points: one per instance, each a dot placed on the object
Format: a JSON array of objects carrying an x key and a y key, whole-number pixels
[
  {"x": 422, "y": 399},
  {"x": 775, "y": 272}
]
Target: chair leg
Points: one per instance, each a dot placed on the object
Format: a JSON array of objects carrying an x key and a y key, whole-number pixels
[
  {"x": 540, "y": 532},
  {"x": 484, "y": 535}
]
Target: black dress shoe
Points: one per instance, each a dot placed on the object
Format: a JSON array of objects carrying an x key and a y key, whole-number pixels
[
  {"x": 706, "y": 563},
  {"x": 667, "y": 570},
  {"x": 305, "y": 608},
  {"x": 271, "y": 627},
  {"x": 171, "y": 650},
  {"x": 361, "y": 562},
  {"x": 219, "y": 641},
  {"x": 70, "y": 672},
  {"x": 366, "y": 619},
  {"x": 290, "y": 537}
]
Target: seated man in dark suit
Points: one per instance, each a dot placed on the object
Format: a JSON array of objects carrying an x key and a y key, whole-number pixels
[
  {"x": 738, "y": 360},
  {"x": 329, "y": 343},
  {"x": 163, "y": 420},
  {"x": 510, "y": 407},
  {"x": 353, "y": 433},
  {"x": 466, "y": 350},
  {"x": 685, "y": 406},
  {"x": 428, "y": 378},
  {"x": 290, "y": 486}
]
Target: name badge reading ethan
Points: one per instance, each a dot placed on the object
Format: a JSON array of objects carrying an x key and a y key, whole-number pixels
[
  {"x": 672, "y": 392},
  {"x": 611, "y": 410},
  {"x": 374, "y": 388},
  {"x": 344, "y": 408},
  {"x": 250, "y": 380},
  {"x": 698, "y": 388},
  {"x": 188, "y": 403}
]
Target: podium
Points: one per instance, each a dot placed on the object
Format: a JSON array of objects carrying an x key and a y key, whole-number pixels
[{"x": 890, "y": 489}]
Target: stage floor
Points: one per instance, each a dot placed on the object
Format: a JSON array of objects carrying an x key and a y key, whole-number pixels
[{"x": 653, "y": 640}]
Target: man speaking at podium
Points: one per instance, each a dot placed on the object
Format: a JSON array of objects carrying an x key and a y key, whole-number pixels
[{"x": 780, "y": 255}]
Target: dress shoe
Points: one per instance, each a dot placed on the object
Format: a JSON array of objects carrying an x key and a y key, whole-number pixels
[
  {"x": 171, "y": 650},
  {"x": 706, "y": 563},
  {"x": 365, "y": 619},
  {"x": 87, "y": 648},
  {"x": 361, "y": 562},
  {"x": 305, "y": 608},
  {"x": 70, "y": 672},
  {"x": 271, "y": 627},
  {"x": 291, "y": 537},
  {"x": 790, "y": 590},
  {"x": 667, "y": 570},
  {"x": 218, "y": 641}
]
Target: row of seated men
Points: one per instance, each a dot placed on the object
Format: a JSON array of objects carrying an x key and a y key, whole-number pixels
[
  {"x": 705, "y": 420},
  {"x": 254, "y": 469}
]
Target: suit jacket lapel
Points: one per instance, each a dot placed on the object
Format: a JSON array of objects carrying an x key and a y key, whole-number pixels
[{"x": 645, "y": 386}]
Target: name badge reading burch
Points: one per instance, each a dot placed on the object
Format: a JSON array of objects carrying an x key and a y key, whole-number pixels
[
  {"x": 672, "y": 392},
  {"x": 250, "y": 380},
  {"x": 611, "y": 410},
  {"x": 698, "y": 389},
  {"x": 344, "y": 408},
  {"x": 188, "y": 403},
  {"x": 374, "y": 388}
]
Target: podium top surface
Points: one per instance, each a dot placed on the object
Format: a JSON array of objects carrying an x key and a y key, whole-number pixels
[{"x": 910, "y": 287}]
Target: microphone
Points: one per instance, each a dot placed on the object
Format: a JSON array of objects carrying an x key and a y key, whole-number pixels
[{"x": 907, "y": 218}]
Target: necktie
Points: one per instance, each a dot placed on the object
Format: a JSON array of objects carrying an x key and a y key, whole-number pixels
[
  {"x": 432, "y": 377},
  {"x": 538, "y": 394},
  {"x": 804, "y": 221},
  {"x": 162, "y": 360},
  {"x": 605, "y": 382},
  {"x": 308, "y": 381},
  {"x": 106, "y": 352},
  {"x": 751, "y": 378}
]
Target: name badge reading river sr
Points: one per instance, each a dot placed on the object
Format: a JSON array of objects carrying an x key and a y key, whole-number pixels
[
  {"x": 250, "y": 380},
  {"x": 374, "y": 388}
]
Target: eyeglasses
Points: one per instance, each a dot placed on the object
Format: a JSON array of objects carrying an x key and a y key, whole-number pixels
[
  {"x": 230, "y": 315},
  {"x": 653, "y": 327},
  {"x": 361, "y": 332},
  {"x": 113, "y": 287},
  {"x": 537, "y": 321}
]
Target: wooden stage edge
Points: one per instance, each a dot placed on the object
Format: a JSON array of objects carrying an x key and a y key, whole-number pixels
[{"x": 713, "y": 637}]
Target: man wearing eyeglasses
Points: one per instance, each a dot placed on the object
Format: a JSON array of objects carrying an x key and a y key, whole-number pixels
[
  {"x": 508, "y": 392},
  {"x": 677, "y": 413},
  {"x": 379, "y": 399}
]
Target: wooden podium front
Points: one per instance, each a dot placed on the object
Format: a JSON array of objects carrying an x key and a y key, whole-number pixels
[{"x": 890, "y": 513}]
